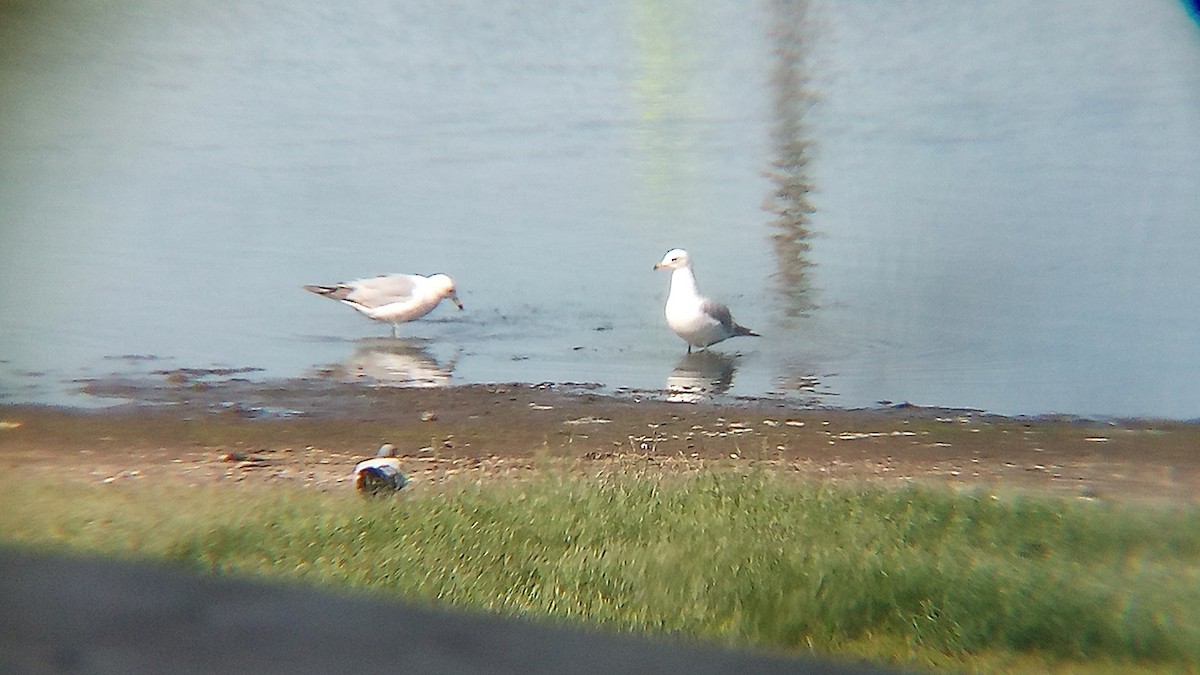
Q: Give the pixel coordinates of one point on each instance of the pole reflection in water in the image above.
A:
(398, 362)
(701, 375)
(788, 201)
(789, 198)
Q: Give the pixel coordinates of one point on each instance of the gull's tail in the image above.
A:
(742, 330)
(334, 292)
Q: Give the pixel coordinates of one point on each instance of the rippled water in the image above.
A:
(959, 204)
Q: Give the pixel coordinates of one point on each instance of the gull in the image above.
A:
(381, 474)
(393, 298)
(699, 321)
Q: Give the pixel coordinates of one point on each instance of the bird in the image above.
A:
(392, 298)
(701, 322)
(381, 474)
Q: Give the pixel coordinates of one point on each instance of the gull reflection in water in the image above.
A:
(399, 362)
(701, 375)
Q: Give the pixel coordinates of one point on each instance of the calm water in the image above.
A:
(988, 205)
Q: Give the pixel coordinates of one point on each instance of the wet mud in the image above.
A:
(203, 428)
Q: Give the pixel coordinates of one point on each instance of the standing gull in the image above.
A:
(699, 321)
(393, 298)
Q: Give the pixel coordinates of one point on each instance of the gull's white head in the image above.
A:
(675, 259)
(446, 289)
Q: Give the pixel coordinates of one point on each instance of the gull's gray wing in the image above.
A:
(719, 312)
(380, 291)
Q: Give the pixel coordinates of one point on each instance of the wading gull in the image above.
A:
(699, 321)
(392, 298)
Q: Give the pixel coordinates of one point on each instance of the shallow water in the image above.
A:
(952, 205)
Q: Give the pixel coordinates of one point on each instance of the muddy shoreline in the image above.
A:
(194, 432)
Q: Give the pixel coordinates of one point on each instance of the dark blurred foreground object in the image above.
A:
(380, 475)
(74, 615)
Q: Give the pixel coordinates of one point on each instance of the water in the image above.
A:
(942, 203)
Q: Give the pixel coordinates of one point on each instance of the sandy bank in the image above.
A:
(249, 434)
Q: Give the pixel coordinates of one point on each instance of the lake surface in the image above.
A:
(990, 205)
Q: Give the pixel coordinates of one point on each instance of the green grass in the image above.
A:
(916, 577)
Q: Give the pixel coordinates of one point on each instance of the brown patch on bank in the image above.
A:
(313, 439)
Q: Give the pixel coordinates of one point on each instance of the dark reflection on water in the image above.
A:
(790, 33)
(789, 200)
